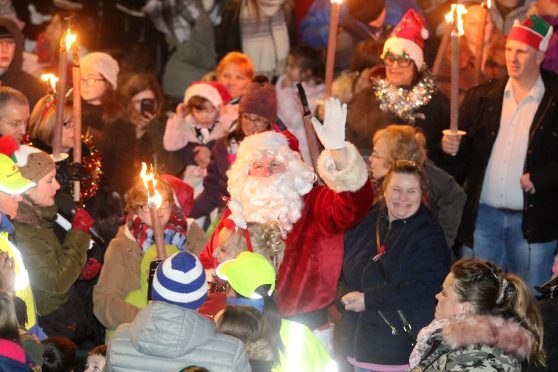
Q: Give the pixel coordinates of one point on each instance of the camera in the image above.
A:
(147, 105)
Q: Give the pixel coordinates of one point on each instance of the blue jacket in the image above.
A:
(405, 278)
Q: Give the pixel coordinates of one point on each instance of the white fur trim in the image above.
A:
(352, 178)
(22, 154)
(398, 45)
(265, 141)
(205, 91)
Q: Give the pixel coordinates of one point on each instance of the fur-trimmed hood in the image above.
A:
(506, 335)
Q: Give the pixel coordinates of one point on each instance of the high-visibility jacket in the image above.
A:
(22, 286)
(303, 351)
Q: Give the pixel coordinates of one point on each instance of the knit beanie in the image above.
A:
(533, 31)
(33, 163)
(408, 38)
(259, 99)
(180, 280)
(215, 93)
(104, 63)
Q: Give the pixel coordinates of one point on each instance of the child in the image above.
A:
(134, 243)
(96, 359)
(304, 65)
(59, 354)
(199, 122)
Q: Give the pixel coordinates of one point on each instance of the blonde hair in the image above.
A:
(265, 238)
(241, 60)
(43, 118)
(403, 142)
(137, 195)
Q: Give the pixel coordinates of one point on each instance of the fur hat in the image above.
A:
(104, 63)
(180, 280)
(408, 37)
(260, 99)
(533, 31)
(33, 163)
(215, 93)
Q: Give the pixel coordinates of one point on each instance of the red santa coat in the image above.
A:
(307, 279)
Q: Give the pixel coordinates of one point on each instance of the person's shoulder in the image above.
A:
(488, 88)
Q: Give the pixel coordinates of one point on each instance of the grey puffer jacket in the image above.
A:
(166, 337)
(477, 343)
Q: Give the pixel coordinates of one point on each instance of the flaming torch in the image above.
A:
(486, 4)
(65, 45)
(331, 45)
(154, 201)
(51, 81)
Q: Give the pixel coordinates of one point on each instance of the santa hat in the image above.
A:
(215, 93)
(533, 31)
(104, 63)
(408, 38)
(183, 193)
(180, 280)
(259, 99)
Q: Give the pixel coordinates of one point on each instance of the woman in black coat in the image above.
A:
(396, 260)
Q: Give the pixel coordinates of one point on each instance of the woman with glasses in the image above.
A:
(99, 80)
(395, 261)
(41, 133)
(121, 272)
(407, 95)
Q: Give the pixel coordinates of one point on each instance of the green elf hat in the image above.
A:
(533, 31)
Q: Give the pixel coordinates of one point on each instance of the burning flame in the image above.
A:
(154, 199)
(70, 39)
(457, 10)
(489, 4)
(51, 79)
(337, 1)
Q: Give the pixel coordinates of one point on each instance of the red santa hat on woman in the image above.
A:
(408, 38)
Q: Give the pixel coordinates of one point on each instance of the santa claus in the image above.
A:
(274, 185)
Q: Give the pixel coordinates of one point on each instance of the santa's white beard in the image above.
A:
(273, 199)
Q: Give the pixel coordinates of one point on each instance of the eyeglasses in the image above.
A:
(91, 81)
(403, 60)
(164, 205)
(255, 119)
(17, 124)
(273, 166)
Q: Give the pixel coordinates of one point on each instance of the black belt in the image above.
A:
(510, 211)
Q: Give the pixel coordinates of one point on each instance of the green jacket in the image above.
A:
(53, 267)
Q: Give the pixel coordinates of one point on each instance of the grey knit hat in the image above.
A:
(33, 163)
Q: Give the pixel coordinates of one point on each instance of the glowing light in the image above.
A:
(154, 199)
(457, 10)
(337, 1)
(51, 79)
(70, 39)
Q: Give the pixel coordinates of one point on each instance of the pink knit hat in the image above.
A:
(260, 99)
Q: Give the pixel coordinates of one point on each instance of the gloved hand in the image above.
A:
(82, 221)
(332, 132)
(77, 172)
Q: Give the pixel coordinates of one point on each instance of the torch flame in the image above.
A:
(489, 4)
(154, 199)
(70, 39)
(337, 1)
(456, 13)
(52, 79)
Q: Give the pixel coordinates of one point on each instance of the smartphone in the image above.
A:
(147, 105)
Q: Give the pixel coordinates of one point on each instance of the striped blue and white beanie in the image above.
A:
(180, 280)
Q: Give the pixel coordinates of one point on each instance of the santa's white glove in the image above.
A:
(332, 132)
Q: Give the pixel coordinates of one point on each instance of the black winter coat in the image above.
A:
(480, 117)
(405, 278)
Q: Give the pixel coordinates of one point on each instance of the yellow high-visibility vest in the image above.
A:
(22, 285)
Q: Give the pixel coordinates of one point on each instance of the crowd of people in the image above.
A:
(294, 231)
